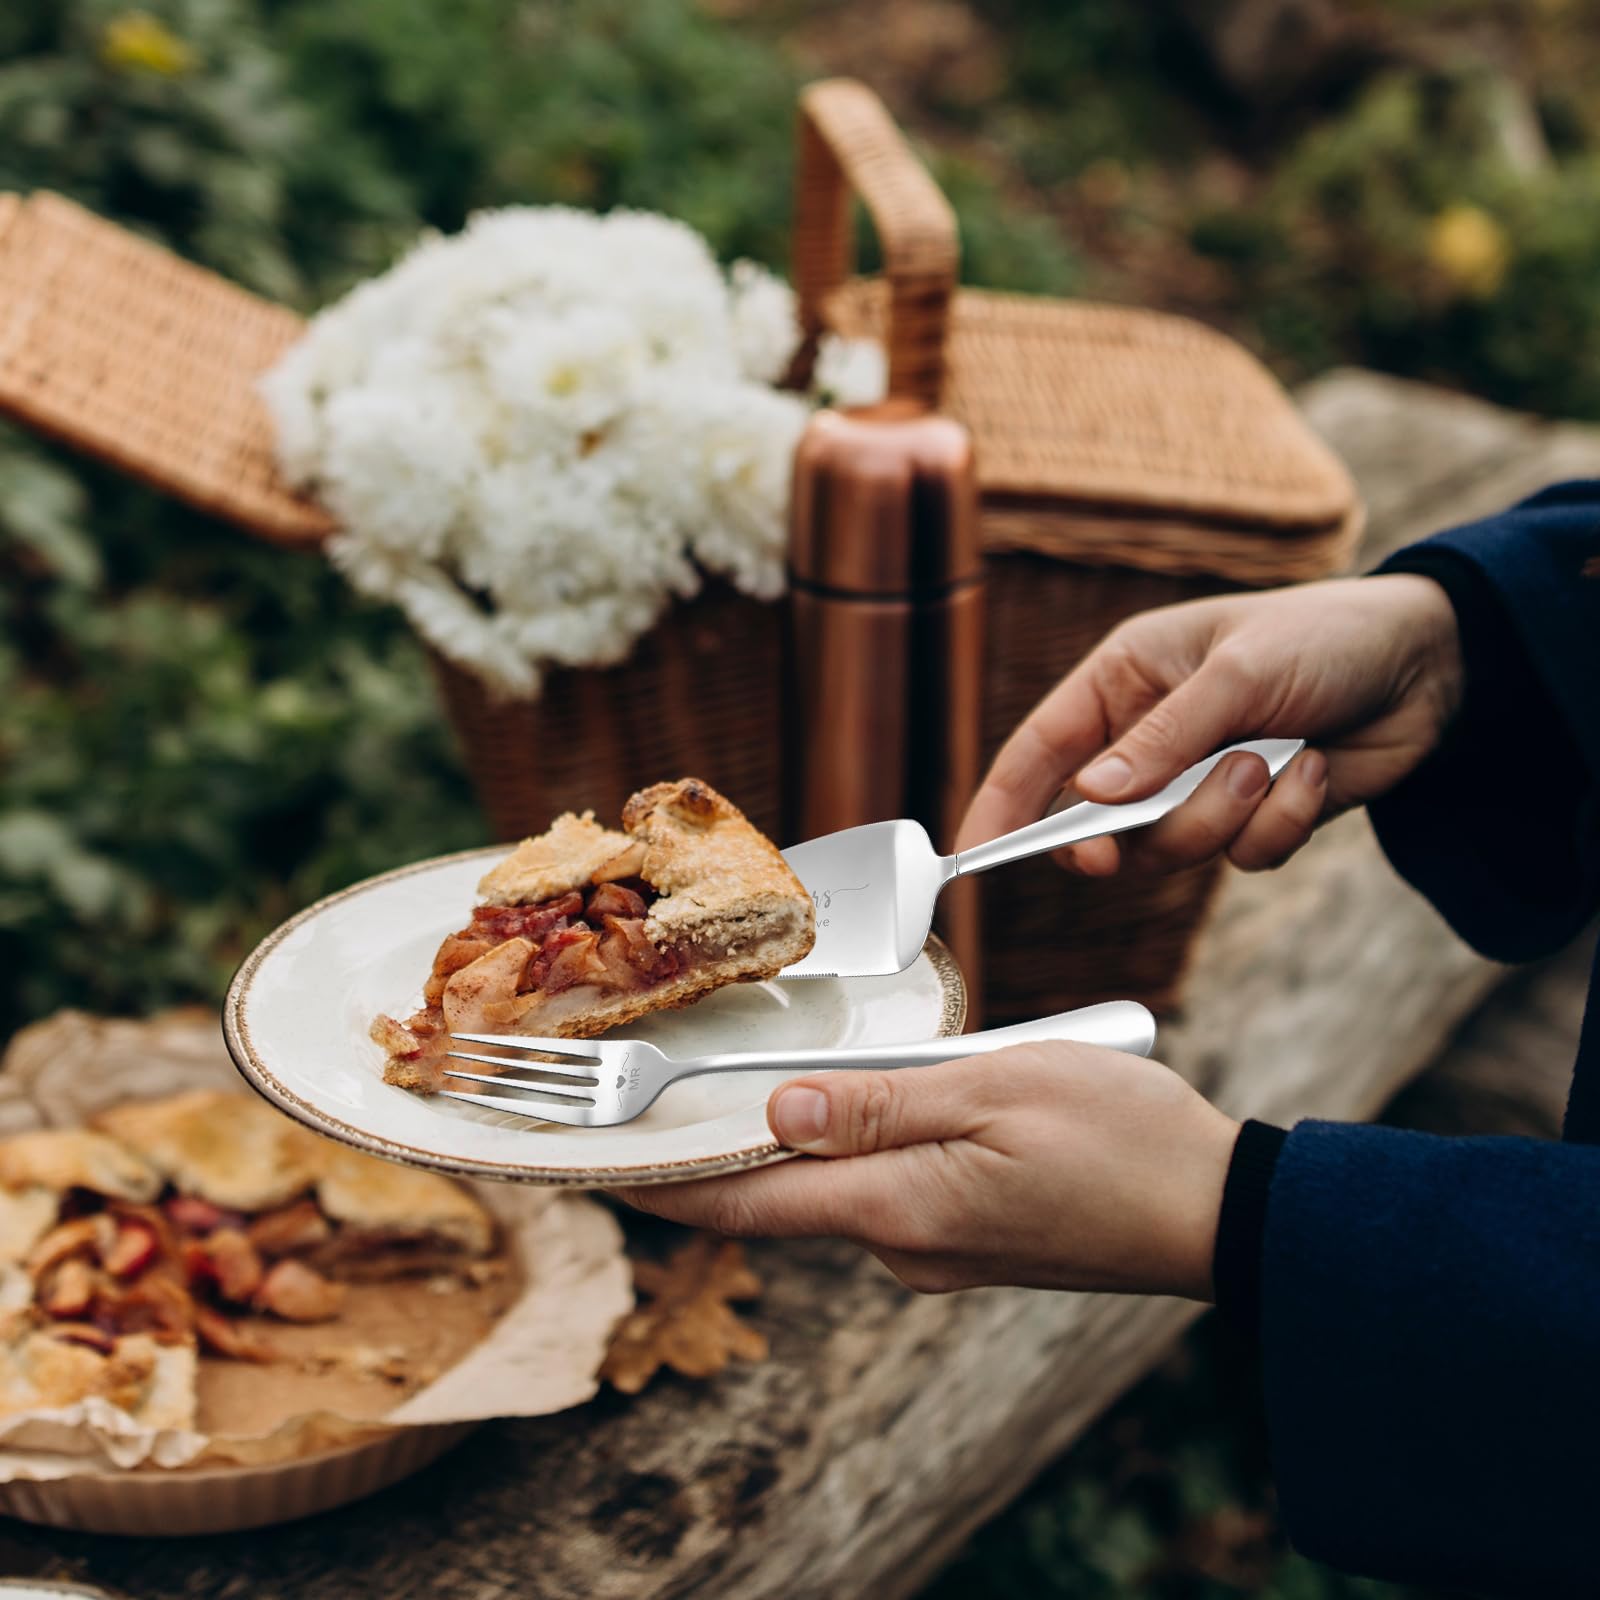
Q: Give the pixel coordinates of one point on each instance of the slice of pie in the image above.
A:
(584, 928)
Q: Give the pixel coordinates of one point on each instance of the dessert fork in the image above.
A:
(595, 1083)
(874, 887)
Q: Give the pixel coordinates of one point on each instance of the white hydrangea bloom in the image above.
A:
(398, 465)
(766, 325)
(290, 392)
(563, 378)
(537, 432)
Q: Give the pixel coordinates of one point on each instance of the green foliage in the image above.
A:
(212, 150)
(1355, 230)
(1001, 247)
(596, 103)
(1409, 235)
(586, 102)
(199, 735)
(1094, 81)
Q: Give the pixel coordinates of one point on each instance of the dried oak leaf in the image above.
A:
(689, 1324)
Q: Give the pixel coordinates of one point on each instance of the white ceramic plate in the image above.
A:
(297, 1015)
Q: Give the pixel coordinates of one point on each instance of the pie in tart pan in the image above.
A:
(227, 1499)
(211, 1319)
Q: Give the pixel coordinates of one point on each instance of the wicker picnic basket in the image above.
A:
(1126, 460)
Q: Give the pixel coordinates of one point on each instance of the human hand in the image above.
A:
(1055, 1166)
(1368, 669)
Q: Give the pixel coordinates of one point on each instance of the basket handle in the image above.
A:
(849, 144)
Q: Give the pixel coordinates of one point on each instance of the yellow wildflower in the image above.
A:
(139, 42)
(1469, 249)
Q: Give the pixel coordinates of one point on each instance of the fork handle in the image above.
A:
(1087, 820)
(1115, 1024)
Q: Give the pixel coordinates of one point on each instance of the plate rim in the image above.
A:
(236, 1035)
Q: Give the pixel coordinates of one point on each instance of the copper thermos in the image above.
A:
(884, 646)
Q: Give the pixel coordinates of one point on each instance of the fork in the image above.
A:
(601, 1082)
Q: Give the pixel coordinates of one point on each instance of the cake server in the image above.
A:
(874, 887)
(596, 1083)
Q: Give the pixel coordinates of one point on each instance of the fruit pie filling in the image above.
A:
(593, 937)
(178, 1269)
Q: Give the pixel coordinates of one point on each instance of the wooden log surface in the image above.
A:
(887, 1426)
(1509, 1068)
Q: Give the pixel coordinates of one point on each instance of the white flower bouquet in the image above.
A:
(537, 432)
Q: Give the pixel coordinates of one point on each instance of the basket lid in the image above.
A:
(124, 350)
(1124, 416)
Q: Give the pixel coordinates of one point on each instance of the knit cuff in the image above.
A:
(1500, 686)
(1242, 1227)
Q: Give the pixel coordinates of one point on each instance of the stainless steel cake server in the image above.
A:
(874, 887)
(596, 1083)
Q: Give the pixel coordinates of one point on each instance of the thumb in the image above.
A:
(857, 1113)
(1198, 717)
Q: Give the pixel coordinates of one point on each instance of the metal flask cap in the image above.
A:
(884, 503)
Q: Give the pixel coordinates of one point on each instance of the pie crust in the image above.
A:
(76, 1158)
(587, 928)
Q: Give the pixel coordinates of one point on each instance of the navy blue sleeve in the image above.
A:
(1431, 1356)
(1429, 1308)
(1500, 828)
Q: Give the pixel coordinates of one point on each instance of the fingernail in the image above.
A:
(1313, 769)
(1246, 777)
(1110, 774)
(800, 1116)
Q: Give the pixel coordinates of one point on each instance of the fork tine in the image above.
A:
(573, 1113)
(573, 1090)
(577, 1049)
(557, 1069)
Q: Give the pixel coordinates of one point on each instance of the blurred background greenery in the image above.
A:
(199, 734)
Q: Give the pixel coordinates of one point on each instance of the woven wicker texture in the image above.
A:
(1127, 461)
(698, 696)
(849, 144)
(1112, 537)
(1052, 941)
(123, 350)
(1103, 434)
(1089, 448)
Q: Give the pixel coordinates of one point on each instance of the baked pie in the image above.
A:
(586, 928)
(203, 1223)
